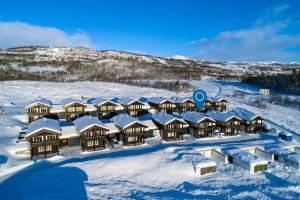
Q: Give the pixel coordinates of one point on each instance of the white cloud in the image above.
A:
(255, 44)
(14, 34)
(265, 41)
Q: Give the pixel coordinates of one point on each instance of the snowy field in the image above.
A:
(155, 170)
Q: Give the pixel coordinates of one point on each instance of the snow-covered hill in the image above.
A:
(89, 64)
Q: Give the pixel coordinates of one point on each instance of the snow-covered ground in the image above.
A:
(154, 171)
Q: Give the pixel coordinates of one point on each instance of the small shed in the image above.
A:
(284, 155)
(285, 136)
(203, 165)
(246, 160)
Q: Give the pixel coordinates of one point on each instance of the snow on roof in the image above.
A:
(42, 101)
(43, 124)
(123, 120)
(220, 116)
(90, 107)
(150, 124)
(201, 161)
(181, 99)
(112, 128)
(57, 108)
(69, 101)
(244, 114)
(100, 101)
(68, 132)
(85, 122)
(243, 155)
(194, 117)
(158, 100)
(283, 152)
(216, 99)
(126, 101)
(164, 118)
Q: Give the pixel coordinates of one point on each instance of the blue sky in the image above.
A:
(252, 30)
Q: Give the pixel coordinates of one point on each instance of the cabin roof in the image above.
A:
(243, 155)
(43, 124)
(126, 101)
(164, 118)
(123, 120)
(159, 100)
(85, 122)
(217, 99)
(244, 114)
(181, 99)
(220, 116)
(100, 101)
(70, 101)
(150, 124)
(42, 101)
(283, 152)
(68, 131)
(194, 117)
(112, 128)
(57, 108)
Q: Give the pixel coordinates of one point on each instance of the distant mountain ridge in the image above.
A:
(90, 64)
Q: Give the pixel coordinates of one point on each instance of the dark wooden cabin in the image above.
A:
(73, 109)
(251, 122)
(132, 130)
(226, 123)
(162, 104)
(92, 133)
(200, 125)
(220, 104)
(171, 127)
(132, 107)
(43, 137)
(105, 108)
(37, 109)
(184, 104)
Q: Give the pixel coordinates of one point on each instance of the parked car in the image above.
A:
(114, 142)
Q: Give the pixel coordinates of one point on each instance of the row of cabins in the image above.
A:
(46, 135)
(70, 109)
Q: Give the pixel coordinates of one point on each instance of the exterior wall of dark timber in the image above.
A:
(84, 139)
(69, 114)
(234, 128)
(140, 135)
(110, 112)
(39, 114)
(165, 130)
(181, 107)
(207, 129)
(220, 108)
(253, 126)
(135, 111)
(35, 145)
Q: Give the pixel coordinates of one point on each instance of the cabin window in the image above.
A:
(135, 107)
(90, 143)
(259, 121)
(200, 125)
(37, 139)
(171, 134)
(41, 149)
(71, 109)
(110, 107)
(103, 108)
(90, 134)
(132, 138)
(236, 122)
(99, 132)
(34, 110)
(43, 110)
(49, 148)
(50, 137)
(96, 142)
(79, 109)
(228, 130)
